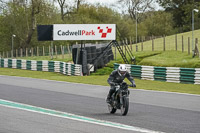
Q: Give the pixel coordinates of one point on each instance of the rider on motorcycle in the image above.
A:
(117, 77)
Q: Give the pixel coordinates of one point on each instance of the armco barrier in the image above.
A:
(48, 66)
(168, 74)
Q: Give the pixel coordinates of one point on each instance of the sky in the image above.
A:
(101, 1)
(110, 2)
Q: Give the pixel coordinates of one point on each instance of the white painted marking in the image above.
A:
(66, 115)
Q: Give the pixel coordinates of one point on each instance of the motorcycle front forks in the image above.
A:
(121, 98)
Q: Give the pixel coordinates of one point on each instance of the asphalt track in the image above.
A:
(151, 110)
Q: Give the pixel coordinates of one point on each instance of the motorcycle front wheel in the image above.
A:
(125, 106)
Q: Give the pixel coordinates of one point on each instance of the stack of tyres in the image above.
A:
(72, 69)
(105, 59)
(62, 67)
(14, 63)
(39, 65)
(98, 51)
(98, 55)
(111, 56)
(51, 66)
(105, 56)
(28, 65)
(93, 56)
(9, 63)
(23, 65)
(187, 75)
(102, 64)
(83, 54)
(19, 64)
(93, 53)
(5, 62)
(33, 65)
(74, 56)
(2, 62)
(89, 55)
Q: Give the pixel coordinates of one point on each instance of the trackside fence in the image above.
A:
(167, 74)
(47, 66)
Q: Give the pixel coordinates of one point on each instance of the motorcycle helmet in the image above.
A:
(122, 69)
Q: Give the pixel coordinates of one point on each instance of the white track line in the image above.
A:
(66, 115)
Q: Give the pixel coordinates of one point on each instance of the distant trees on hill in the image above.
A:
(20, 17)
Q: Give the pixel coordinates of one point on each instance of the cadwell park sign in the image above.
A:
(84, 32)
(88, 56)
(77, 32)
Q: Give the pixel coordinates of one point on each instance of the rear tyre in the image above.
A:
(125, 106)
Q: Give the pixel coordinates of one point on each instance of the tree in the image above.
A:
(158, 23)
(35, 9)
(181, 11)
(21, 17)
(66, 8)
(90, 14)
(137, 7)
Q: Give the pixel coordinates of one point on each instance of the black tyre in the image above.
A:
(125, 106)
(111, 109)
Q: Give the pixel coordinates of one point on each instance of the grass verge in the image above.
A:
(102, 80)
(170, 42)
(171, 59)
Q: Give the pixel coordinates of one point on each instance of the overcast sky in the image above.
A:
(102, 1)
(111, 2)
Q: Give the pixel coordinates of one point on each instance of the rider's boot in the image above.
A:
(108, 99)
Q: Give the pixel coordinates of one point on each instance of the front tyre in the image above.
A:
(125, 106)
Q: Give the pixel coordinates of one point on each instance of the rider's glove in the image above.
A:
(133, 85)
(112, 83)
(115, 84)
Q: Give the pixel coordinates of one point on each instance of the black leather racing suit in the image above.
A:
(116, 78)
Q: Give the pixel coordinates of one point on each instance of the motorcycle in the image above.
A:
(120, 99)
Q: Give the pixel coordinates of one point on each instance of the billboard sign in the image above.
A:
(84, 32)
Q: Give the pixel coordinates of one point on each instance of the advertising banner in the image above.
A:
(84, 32)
